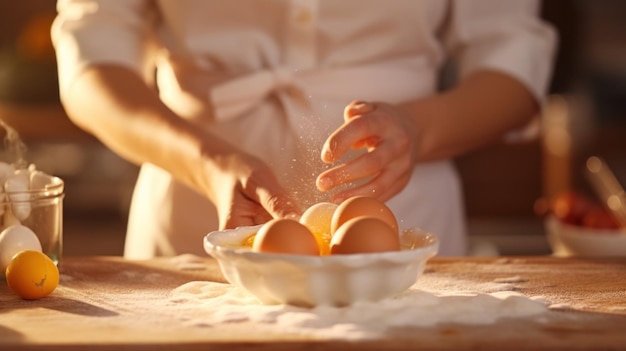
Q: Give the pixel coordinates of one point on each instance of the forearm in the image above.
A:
(118, 108)
(475, 113)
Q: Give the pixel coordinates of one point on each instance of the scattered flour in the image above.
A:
(436, 299)
(515, 279)
(432, 301)
(188, 262)
(561, 306)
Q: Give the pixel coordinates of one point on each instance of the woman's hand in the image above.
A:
(116, 105)
(389, 137)
(246, 192)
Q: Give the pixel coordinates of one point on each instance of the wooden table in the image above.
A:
(95, 308)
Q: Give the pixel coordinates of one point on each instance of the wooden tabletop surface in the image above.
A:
(110, 303)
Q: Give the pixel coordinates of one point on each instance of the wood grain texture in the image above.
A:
(93, 309)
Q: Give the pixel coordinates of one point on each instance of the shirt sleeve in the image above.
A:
(507, 36)
(89, 32)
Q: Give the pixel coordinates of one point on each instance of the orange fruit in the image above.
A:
(32, 275)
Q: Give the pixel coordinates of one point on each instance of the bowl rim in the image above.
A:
(429, 249)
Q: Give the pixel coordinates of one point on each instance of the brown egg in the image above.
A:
(362, 206)
(364, 235)
(286, 236)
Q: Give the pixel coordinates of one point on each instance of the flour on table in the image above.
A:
(188, 262)
(514, 279)
(431, 301)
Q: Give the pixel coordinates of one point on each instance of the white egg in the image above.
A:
(14, 239)
(17, 188)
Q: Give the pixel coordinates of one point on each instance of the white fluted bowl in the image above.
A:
(336, 280)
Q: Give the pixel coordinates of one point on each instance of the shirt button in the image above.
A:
(304, 17)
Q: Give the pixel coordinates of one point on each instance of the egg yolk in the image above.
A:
(247, 242)
(323, 241)
(32, 275)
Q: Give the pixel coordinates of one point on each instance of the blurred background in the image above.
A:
(506, 185)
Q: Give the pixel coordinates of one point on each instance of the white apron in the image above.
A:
(273, 77)
(283, 117)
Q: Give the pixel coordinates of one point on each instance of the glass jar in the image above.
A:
(40, 208)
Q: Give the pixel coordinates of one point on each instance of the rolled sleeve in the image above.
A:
(506, 36)
(89, 32)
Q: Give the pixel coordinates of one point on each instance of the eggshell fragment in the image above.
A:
(357, 206)
(364, 235)
(285, 236)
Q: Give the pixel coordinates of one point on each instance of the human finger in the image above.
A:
(357, 107)
(384, 155)
(382, 187)
(360, 131)
(277, 202)
(242, 212)
(363, 166)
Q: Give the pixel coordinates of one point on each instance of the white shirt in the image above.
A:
(273, 78)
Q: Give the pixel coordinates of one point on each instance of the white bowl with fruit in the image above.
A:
(579, 226)
(318, 260)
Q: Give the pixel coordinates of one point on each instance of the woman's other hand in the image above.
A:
(387, 134)
(246, 192)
